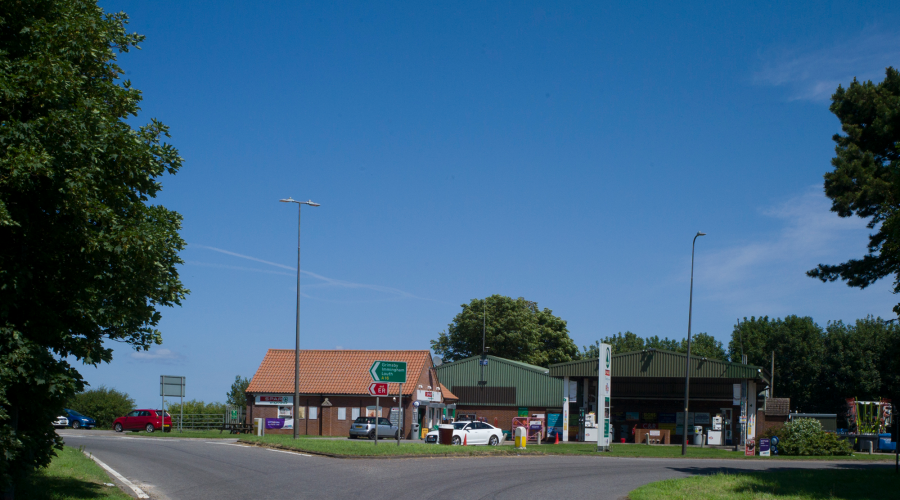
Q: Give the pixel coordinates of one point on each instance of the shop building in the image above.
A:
(498, 389)
(647, 392)
(334, 390)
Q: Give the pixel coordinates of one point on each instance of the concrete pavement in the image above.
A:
(173, 469)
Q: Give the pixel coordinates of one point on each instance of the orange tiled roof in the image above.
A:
(447, 395)
(332, 371)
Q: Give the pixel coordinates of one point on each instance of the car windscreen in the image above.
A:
(460, 425)
(74, 413)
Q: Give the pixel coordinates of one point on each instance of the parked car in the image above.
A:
(61, 422)
(148, 420)
(77, 420)
(365, 427)
(471, 433)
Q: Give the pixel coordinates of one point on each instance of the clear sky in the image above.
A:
(562, 152)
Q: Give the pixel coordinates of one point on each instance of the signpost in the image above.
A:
(605, 372)
(171, 385)
(378, 389)
(388, 371)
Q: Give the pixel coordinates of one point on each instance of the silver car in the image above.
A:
(365, 427)
(61, 422)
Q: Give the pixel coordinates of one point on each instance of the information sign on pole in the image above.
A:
(388, 371)
(172, 386)
(605, 371)
(378, 389)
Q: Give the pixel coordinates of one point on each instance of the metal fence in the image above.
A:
(198, 421)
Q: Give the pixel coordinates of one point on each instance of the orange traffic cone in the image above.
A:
(557, 438)
(465, 441)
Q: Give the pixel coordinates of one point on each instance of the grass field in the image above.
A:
(70, 476)
(366, 448)
(777, 485)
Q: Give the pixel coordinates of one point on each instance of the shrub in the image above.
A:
(805, 437)
(102, 404)
(196, 407)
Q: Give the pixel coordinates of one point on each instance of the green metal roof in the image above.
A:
(509, 383)
(659, 363)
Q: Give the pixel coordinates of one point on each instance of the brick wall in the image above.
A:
(327, 422)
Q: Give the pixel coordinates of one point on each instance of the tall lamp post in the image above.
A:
(297, 344)
(687, 363)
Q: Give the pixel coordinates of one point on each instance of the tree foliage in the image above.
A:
(866, 178)
(196, 407)
(702, 344)
(515, 329)
(85, 256)
(102, 404)
(237, 395)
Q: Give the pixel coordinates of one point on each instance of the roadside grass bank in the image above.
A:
(365, 448)
(777, 485)
(70, 476)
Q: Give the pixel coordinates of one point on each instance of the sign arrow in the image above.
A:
(374, 370)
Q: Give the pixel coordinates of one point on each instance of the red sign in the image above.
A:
(607, 373)
(429, 394)
(272, 399)
(378, 389)
(750, 448)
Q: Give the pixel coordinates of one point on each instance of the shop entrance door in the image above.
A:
(727, 426)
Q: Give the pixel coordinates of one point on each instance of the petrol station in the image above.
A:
(647, 398)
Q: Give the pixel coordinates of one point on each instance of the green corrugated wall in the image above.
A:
(658, 363)
(534, 386)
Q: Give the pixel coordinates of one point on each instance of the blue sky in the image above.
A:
(562, 152)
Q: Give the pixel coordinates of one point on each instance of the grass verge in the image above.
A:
(776, 485)
(70, 476)
(366, 448)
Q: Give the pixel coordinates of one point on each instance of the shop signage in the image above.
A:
(378, 389)
(701, 418)
(632, 416)
(279, 423)
(750, 448)
(667, 418)
(388, 371)
(428, 395)
(523, 412)
(565, 419)
(764, 450)
(604, 389)
(274, 400)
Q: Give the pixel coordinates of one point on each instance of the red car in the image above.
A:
(148, 420)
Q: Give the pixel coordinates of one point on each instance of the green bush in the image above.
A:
(195, 407)
(805, 437)
(102, 404)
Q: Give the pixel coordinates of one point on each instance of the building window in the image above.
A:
(342, 414)
(285, 411)
(313, 412)
(354, 413)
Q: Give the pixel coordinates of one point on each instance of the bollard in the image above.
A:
(259, 426)
(869, 447)
(647, 438)
(521, 437)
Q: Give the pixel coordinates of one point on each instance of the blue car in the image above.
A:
(77, 420)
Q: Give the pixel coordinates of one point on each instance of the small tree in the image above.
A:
(102, 404)
(805, 436)
(237, 394)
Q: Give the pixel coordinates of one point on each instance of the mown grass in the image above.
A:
(366, 448)
(777, 485)
(70, 476)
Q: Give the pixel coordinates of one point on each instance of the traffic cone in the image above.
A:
(465, 441)
(557, 438)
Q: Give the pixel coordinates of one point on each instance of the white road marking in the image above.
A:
(226, 444)
(290, 452)
(139, 492)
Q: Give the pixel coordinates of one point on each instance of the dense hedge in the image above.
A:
(805, 437)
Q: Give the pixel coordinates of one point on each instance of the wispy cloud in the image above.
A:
(813, 73)
(325, 282)
(161, 355)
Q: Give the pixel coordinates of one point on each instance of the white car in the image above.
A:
(471, 433)
(61, 421)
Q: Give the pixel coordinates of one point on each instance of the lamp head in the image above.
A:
(288, 200)
(701, 233)
(311, 203)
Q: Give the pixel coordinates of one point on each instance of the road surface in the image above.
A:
(176, 469)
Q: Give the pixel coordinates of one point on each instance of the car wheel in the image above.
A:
(76, 425)
(149, 428)
(494, 441)
(457, 441)
(397, 435)
(118, 427)
(372, 434)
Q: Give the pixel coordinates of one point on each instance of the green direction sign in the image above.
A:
(388, 371)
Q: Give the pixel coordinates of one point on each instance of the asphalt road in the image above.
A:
(175, 469)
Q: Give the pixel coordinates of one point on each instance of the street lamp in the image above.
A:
(297, 344)
(687, 363)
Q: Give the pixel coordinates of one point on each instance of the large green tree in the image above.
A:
(799, 346)
(86, 258)
(237, 394)
(702, 344)
(515, 329)
(866, 178)
(103, 404)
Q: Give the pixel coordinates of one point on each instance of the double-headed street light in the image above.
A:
(687, 363)
(297, 345)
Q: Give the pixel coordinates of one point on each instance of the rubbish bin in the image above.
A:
(415, 430)
(698, 435)
(445, 433)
